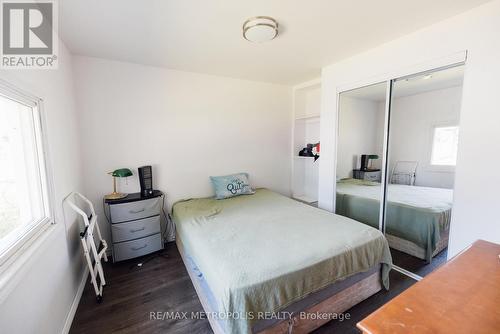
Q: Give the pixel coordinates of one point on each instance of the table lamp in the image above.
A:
(122, 172)
(372, 157)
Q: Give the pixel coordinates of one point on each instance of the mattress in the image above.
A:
(418, 214)
(263, 252)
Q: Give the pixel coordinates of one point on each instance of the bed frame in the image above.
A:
(413, 249)
(337, 303)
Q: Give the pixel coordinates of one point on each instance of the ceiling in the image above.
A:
(417, 84)
(206, 36)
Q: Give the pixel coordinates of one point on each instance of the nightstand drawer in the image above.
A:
(135, 210)
(368, 175)
(134, 248)
(372, 176)
(135, 229)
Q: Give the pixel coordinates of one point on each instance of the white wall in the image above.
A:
(39, 296)
(307, 100)
(476, 194)
(413, 119)
(359, 129)
(188, 126)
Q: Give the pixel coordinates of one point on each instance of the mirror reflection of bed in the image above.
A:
(421, 132)
(414, 213)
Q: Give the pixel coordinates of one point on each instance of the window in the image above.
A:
(444, 146)
(24, 205)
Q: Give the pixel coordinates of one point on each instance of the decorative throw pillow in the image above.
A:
(231, 185)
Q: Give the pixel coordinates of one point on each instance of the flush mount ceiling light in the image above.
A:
(260, 29)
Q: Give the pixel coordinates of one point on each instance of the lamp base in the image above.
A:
(115, 195)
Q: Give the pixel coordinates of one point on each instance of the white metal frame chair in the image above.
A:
(93, 254)
(404, 172)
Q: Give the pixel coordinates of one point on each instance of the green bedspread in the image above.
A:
(417, 214)
(262, 252)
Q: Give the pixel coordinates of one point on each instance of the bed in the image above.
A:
(260, 263)
(417, 218)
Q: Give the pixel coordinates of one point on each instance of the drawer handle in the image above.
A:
(137, 248)
(138, 230)
(137, 211)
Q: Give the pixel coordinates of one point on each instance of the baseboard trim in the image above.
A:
(76, 301)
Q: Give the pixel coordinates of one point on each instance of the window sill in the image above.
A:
(11, 271)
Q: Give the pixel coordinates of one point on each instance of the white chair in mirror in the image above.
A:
(404, 172)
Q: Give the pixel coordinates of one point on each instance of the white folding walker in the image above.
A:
(90, 251)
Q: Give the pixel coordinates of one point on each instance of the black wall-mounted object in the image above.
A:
(146, 180)
(308, 151)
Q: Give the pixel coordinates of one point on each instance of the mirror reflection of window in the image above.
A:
(445, 146)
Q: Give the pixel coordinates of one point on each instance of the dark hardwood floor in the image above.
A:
(416, 265)
(162, 284)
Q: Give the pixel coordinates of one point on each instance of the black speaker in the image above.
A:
(364, 162)
(146, 180)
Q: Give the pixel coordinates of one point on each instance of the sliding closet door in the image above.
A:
(422, 153)
(360, 147)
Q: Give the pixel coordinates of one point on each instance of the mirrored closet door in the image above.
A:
(422, 155)
(360, 153)
(396, 158)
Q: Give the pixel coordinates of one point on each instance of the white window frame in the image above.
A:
(37, 228)
(440, 168)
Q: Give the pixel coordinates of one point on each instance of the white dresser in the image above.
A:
(135, 225)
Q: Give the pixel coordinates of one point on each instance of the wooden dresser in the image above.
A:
(462, 296)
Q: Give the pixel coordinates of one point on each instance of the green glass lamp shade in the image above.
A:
(372, 157)
(122, 172)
